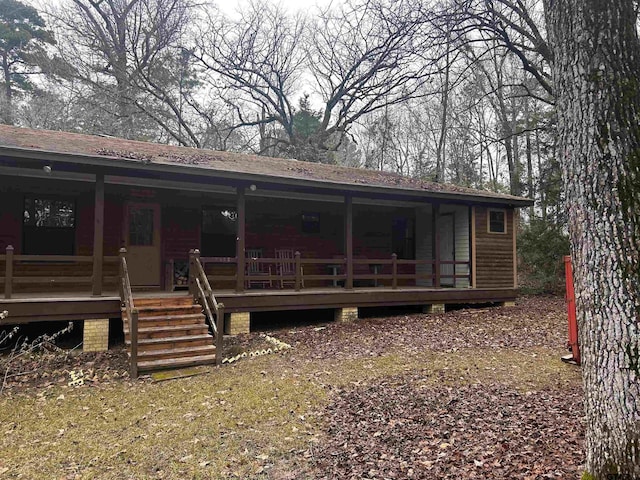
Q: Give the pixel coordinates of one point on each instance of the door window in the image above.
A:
(141, 226)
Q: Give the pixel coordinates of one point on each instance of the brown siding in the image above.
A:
(113, 224)
(84, 224)
(113, 211)
(180, 232)
(494, 253)
(277, 224)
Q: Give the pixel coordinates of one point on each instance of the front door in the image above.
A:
(142, 225)
(447, 248)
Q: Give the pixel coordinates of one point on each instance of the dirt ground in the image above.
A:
(471, 393)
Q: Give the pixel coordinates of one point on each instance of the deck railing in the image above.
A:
(126, 301)
(44, 272)
(365, 272)
(200, 289)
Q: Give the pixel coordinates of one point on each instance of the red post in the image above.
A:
(572, 343)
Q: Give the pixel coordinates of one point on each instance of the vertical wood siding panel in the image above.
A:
(494, 257)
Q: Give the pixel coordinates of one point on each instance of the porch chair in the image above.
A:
(287, 267)
(254, 270)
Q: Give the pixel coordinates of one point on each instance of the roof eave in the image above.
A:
(105, 162)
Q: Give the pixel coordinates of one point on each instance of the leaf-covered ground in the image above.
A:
(472, 393)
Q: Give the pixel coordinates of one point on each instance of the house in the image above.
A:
(271, 234)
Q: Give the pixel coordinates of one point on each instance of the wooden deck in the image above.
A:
(32, 307)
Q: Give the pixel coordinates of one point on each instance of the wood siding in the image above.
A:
(494, 252)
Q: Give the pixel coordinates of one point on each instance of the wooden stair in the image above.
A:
(172, 333)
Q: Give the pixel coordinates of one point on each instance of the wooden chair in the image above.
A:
(254, 270)
(286, 265)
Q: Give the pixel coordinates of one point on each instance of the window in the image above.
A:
(497, 221)
(219, 231)
(48, 226)
(310, 222)
(46, 212)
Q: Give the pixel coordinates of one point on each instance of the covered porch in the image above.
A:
(64, 236)
(258, 242)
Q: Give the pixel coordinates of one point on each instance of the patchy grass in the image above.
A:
(231, 422)
(267, 417)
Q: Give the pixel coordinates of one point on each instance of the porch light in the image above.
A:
(47, 169)
(253, 187)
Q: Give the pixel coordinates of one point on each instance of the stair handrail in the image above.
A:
(126, 301)
(203, 292)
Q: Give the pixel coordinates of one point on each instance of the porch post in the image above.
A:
(240, 239)
(192, 273)
(436, 243)
(348, 237)
(472, 247)
(8, 276)
(98, 234)
(394, 271)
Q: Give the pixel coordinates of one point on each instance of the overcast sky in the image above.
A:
(230, 6)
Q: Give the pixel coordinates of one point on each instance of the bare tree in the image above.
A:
(366, 57)
(358, 59)
(259, 58)
(117, 46)
(513, 25)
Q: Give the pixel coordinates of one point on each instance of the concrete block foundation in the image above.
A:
(433, 308)
(347, 314)
(237, 322)
(95, 335)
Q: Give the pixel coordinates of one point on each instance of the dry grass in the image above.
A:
(260, 418)
(230, 422)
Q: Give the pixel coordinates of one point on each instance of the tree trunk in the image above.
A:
(530, 192)
(441, 147)
(7, 114)
(596, 75)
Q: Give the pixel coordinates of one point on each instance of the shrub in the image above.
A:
(541, 246)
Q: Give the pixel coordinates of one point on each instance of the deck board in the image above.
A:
(31, 307)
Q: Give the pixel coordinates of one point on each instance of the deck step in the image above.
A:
(160, 320)
(160, 301)
(145, 344)
(148, 366)
(166, 310)
(171, 331)
(176, 353)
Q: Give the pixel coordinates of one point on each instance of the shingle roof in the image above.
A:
(115, 148)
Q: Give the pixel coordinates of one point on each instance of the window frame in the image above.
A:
(505, 222)
(28, 229)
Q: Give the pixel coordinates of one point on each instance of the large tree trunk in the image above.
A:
(596, 74)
